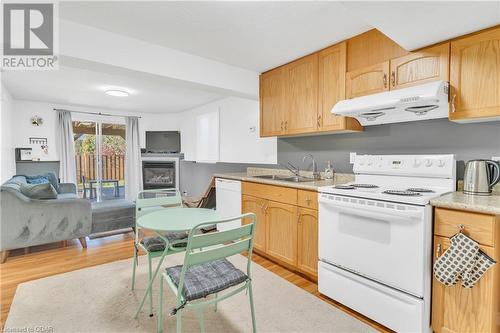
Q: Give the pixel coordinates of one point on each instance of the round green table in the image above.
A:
(176, 219)
(172, 220)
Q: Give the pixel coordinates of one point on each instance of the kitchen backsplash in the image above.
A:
(466, 141)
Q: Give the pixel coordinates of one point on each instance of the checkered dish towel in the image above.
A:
(462, 261)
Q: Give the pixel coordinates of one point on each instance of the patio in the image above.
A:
(108, 193)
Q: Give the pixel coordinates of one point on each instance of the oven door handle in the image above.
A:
(371, 212)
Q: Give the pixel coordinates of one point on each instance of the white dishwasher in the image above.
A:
(228, 201)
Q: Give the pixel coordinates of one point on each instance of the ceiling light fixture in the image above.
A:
(117, 93)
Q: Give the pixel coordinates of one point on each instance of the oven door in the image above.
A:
(383, 241)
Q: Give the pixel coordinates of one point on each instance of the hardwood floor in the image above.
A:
(52, 259)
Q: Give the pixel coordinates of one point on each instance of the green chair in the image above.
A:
(206, 270)
(149, 201)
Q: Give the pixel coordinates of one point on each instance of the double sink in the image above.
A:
(292, 179)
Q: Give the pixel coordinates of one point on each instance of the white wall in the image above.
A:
(7, 157)
(24, 110)
(239, 140)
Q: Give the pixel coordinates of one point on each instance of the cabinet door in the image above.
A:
(458, 309)
(475, 76)
(255, 205)
(207, 137)
(281, 222)
(430, 64)
(308, 241)
(332, 69)
(367, 80)
(302, 95)
(272, 102)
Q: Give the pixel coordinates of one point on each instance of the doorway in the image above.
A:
(100, 159)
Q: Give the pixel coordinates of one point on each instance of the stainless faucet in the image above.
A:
(316, 174)
(292, 168)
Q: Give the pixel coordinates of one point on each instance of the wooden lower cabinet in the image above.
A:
(281, 223)
(459, 309)
(257, 206)
(307, 260)
(456, 309)
(287, 231)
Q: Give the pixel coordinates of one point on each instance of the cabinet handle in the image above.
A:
(281, 125)
(453, 109)
(393, 78)
(438, 250)
(308, 200)
(385, 80)
(286, 125)
(319, 121)
(298, 217)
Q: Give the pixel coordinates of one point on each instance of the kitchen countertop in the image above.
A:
(474, 203)
(312, 185)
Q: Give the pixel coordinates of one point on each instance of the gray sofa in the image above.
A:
(28, 222)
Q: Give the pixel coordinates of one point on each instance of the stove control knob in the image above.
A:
(416, 163)
(428, 162)
(441, 163)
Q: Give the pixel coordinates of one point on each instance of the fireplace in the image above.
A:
(159, 174)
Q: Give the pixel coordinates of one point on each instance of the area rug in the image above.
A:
(99, 299)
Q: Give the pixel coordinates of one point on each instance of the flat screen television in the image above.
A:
(163, 141)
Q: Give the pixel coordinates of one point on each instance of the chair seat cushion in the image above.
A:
(208, 278)
(155, 243)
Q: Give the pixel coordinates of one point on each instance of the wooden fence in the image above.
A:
(113, 167)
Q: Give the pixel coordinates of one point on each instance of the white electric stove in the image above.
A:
(375, 237)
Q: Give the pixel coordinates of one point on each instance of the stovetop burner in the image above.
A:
(344, 187)
(364, 185)
(420, 190)
(402, 193)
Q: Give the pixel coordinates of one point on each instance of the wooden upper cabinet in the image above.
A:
(371, 48)
(307, 260)
(272, 102)
(281, 220)
(475, 77)
(302, 95)
(430, 64)
(257, 206)
(367, 80)
(332, 70)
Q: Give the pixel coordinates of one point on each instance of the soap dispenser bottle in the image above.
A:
(329, 170)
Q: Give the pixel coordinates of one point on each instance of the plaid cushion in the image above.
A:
(155, 243)
(209, 228)
(208, 278)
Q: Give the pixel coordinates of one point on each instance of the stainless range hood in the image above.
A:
(426, 101)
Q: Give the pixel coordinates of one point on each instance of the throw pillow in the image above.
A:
(53, 180)
(42, 191)
(39, 179)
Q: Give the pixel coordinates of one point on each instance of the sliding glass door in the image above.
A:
(100, 159)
